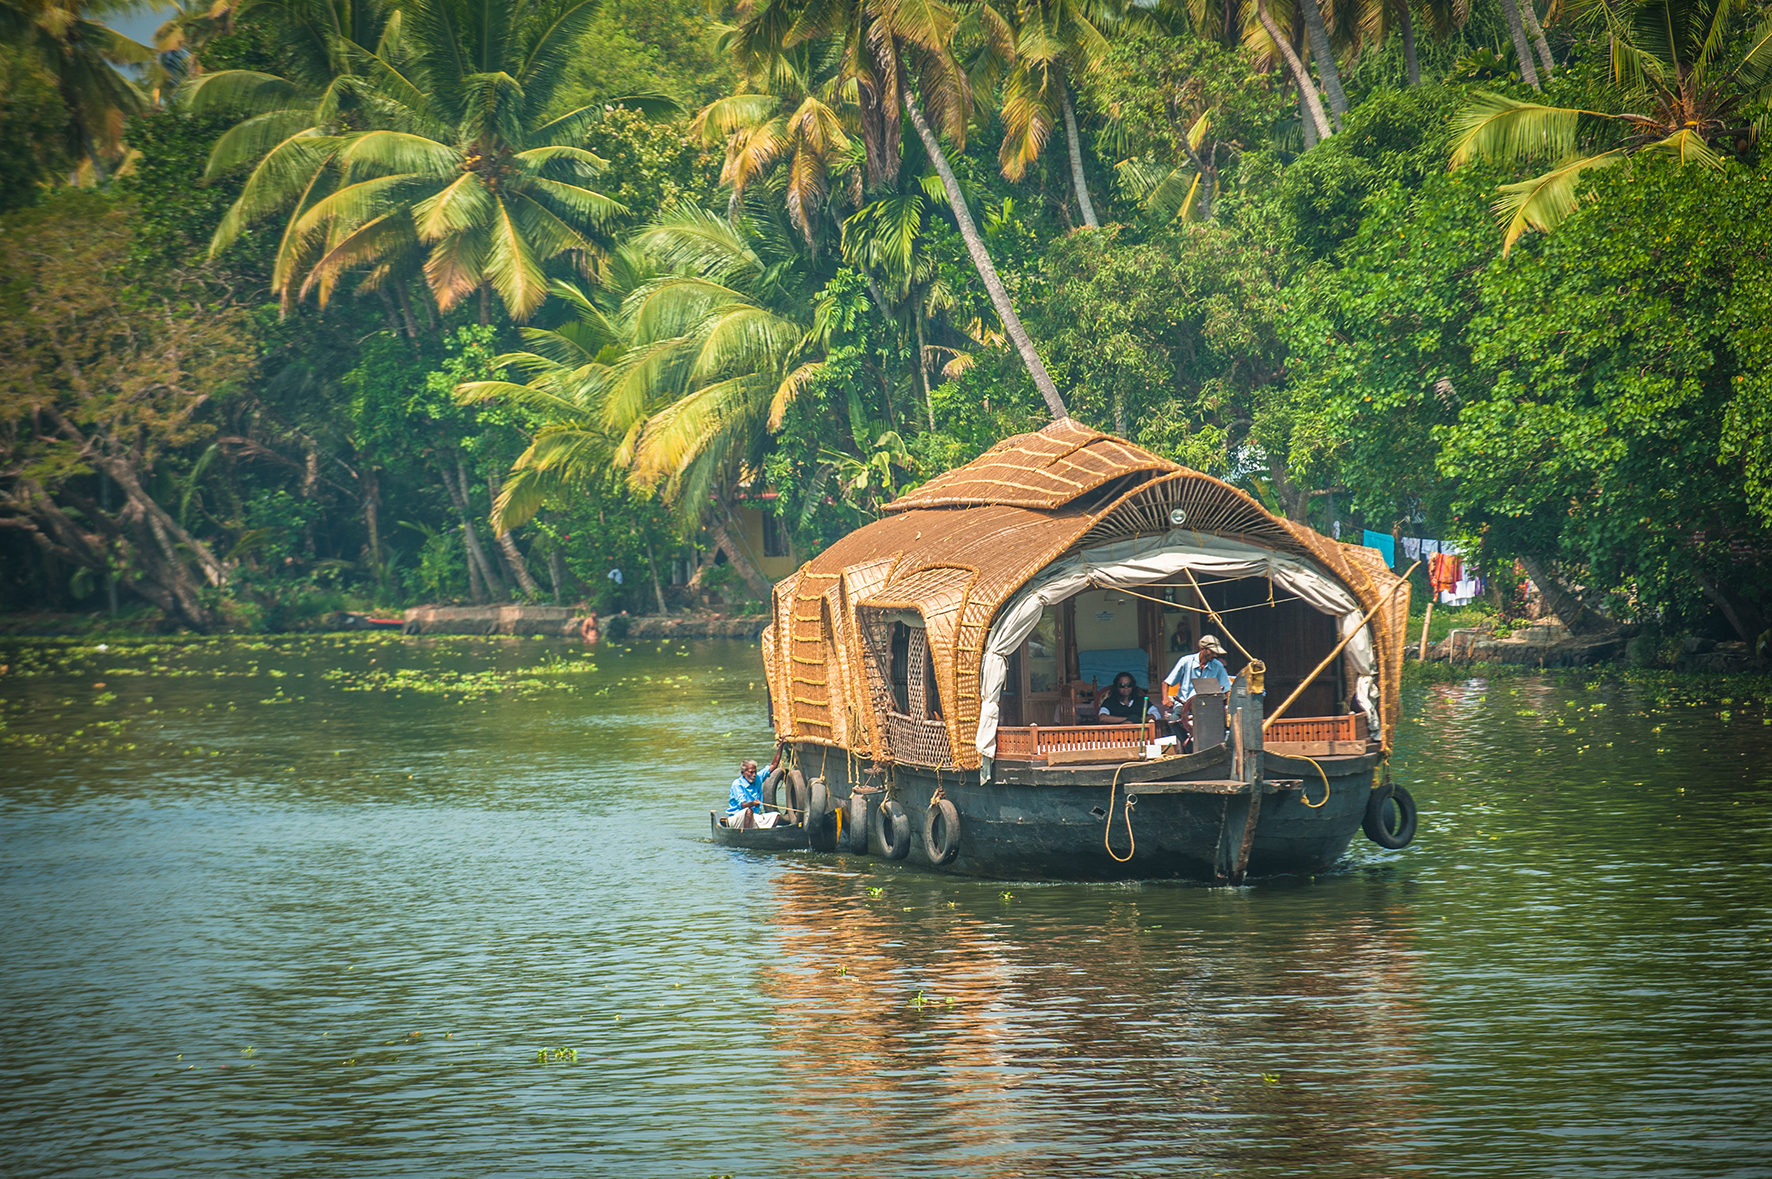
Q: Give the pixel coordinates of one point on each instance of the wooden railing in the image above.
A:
(1037, 742)
(1350, 727)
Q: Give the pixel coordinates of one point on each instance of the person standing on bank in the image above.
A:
(1206, 663)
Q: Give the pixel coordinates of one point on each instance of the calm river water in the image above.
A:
(312, 907)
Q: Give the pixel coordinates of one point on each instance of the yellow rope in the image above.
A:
(1107, 833)
(1306, 798)
(1120, 589)
(1217, 617)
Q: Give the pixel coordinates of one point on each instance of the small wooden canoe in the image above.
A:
(756, 838)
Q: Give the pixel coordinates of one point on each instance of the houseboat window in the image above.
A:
(901, 668)
(775, 540)
(1043, 653)
(931, 696)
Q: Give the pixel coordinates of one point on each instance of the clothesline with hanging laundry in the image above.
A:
(1455, 585)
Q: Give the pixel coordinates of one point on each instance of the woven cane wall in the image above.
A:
(975, 559)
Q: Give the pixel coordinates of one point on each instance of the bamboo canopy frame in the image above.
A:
(951, 553)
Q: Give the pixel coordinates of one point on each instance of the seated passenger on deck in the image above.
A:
(744, 805)
(1124, 702)
(1202, 664)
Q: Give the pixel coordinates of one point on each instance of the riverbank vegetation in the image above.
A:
(325, 304)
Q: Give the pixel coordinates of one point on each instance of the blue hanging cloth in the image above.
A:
(1384, 542)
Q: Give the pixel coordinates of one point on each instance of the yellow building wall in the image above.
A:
(750, 536)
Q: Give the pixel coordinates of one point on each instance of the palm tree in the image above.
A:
(458, 160)
(896, 57)
(1324, 56)
(1522, 48)
(1310, 103)
(1047, 44)
(70, 42)
(679, 386)
(1665, 59)
(796, 118)
(295, 124)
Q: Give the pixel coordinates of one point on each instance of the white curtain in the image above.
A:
(1129, 563)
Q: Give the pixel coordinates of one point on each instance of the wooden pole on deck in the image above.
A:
(1348, 638)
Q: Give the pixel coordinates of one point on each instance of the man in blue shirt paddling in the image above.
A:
(745, 800)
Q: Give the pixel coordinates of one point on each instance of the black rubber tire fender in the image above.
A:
(797, 794)
(894, 829)
(771, 783)
(855, 823)
(1377, 829)
(941, 832)
(822, 824)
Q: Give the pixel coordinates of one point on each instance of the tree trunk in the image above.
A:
(104, 500)
(1537, 37)
(1746, 620)
(735, 556)
(1522, 51)
(657, 585)
(507, 545)
(1569, 609)
(1307, 90)
(981, 261)
(393, 316)
(557, 575)
(476, 584)
(1325, 58)
(1294, 500)
(1408, 23)
(405, 301)
(372, 521)
(478, 565)
(1078, 181)
(1304, 117)
(923, 362)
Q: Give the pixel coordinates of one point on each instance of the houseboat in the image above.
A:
(934, 676)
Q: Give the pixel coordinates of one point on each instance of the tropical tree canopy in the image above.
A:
(435, 142)
(1689, 90)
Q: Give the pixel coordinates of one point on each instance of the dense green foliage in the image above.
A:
(765, 285)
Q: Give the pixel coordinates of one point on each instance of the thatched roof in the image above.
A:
(959, 547)
(1047, 470)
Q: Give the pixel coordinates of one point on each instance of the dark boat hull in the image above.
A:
(1186, 820)
(757, 838)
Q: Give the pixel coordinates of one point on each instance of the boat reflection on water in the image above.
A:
(1037, 1029)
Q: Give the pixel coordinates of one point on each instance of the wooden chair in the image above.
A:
(1077, 703)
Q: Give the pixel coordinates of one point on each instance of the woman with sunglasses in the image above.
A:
(1124, 702)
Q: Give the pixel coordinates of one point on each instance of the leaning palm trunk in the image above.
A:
(1307, 90)
(1077, 179)
(507, 545)
(982, 262)
(478, 566)
(1325, 58)
(1522, 51)
(1537, 37)
(1408, 23)
(735, 556)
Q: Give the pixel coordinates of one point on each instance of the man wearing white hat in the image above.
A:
(1202, 664)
